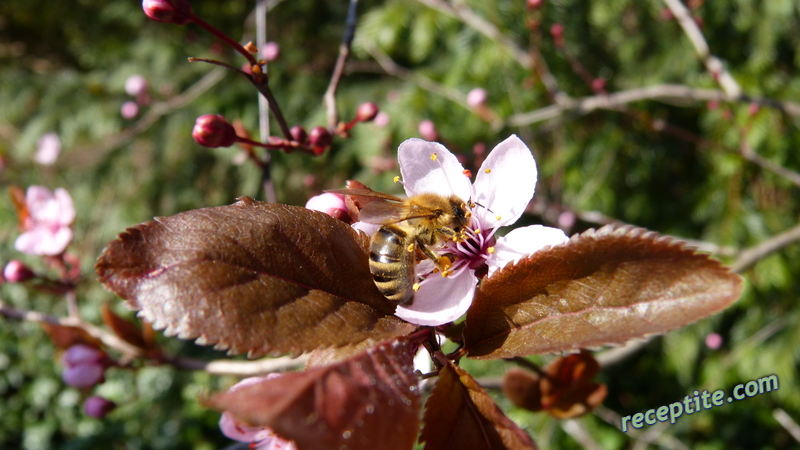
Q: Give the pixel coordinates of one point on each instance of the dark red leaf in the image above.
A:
(367, 402)
(460, 414)
(602, 287)
(253, 277)
(122, 328)
(65, 337)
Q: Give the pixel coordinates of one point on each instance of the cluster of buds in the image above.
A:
(84, 368)
(212, 130)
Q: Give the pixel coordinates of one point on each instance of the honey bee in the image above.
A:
(409, 228)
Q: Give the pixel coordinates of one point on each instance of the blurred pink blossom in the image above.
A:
(381, 120)
(427, 129)
(136, 85)
(476, 97)
(129, 110)
(47, 149)
(47, 229)
(271, 51)
(713, 341)
(260, 438)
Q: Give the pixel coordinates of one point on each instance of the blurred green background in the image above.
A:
(672, 165)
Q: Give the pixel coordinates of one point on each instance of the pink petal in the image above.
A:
(522, 242)
(43, 241)
(421, 174)
(505, 182)
(440, 300)
(66, 208)
(368, 228)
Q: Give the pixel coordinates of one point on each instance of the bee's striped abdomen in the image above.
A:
(391, 264)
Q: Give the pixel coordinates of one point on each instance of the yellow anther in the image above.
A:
(497, 217)
(415, 287)
(397, 179)
(476, 230)
(434, 156)
(410, 247)
(487, 171)
(445, 273)
(468, 214)
(490, 250)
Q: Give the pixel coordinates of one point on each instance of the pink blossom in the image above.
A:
(503, 187)
(98, 407)
(47, 230)
(476, 97)
(136, 85)
(129, 110)
(381, 120)
(261, 438)
(427, 129)
(331, 204)
(48, 148)
(271, 51)
(714, 341)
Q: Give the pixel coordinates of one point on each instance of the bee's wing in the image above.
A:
(366, 192)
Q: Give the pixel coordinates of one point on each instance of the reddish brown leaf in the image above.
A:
(253, 277)
(367, 402)
(523, 388)
(460, 414)
(65, 337)
(127, 331)
(602, 287)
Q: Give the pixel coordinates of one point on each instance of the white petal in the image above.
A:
(522, 242)
(369, 228)
(440, 300)
(421, 174)
(505, 183)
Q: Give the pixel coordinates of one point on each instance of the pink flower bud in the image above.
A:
(48, 148)
(476, 97)
(557, 31)
(129, 110)
(271, 51)
(299, 134)
(599, 85)
(178, 12)
(366, 112)
(331, 204)
(533, 4)
(381, 120)
(212, 130)
(427, 129)
(135, 85)
(84, 366)
(97, 407)
(713, 341)
(320, 139)
(17, 272)
(753, 108)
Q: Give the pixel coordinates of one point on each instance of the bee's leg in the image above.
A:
(442, 263)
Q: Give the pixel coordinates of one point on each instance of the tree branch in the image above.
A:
(344, 52)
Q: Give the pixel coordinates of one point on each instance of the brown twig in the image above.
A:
(112, 341)
(713, 64)
(344, 52)
(750, 256)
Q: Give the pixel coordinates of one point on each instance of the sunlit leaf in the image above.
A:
(460, 414)
(602, 287)
(251, 277)
(370, 401)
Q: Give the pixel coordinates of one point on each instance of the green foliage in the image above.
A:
(673, 166)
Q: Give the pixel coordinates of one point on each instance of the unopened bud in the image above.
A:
(320, 139)
(713, 341)
(366, 112)
(476, 97)
(271, 51)
(427, 130)
(97, 407)
(129, 110)
(17, 272)
(557, 31)
(212, 130)
(331, 204)
(599, 85)
(299, 134)
(753, 108)
(136, 85)
(533, 4)
(84, 366)
(178, 12)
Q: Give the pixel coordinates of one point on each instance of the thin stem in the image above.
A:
(263, 106)
(220, 35)
(338, 70)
